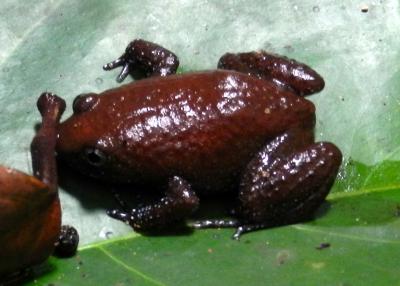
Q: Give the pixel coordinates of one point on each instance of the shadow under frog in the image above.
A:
(244, 130)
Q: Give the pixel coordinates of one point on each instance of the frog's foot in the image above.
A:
(121, 61)
(145, 56)
(285, 73)
(216, 223)
(67, 242)
(229, 223)
(219, 223)
(288, 187)
(177, 204)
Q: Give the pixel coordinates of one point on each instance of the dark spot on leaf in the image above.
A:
(397, 212)
(216, 236)
(323, 246)
(282, 257)
(316, 9)
(364, 9)
(289, 48)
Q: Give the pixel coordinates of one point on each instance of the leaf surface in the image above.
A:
(61, 45)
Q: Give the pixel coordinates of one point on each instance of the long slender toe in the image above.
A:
(114, 64)
(124, 73)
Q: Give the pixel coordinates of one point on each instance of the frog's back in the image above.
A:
(204, 126)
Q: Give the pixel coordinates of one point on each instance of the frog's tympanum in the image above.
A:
(244, 129)
(30, 214)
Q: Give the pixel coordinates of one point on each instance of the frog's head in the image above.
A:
(84, 141)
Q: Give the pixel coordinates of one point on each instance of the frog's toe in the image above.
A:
(242, 229)
(215, 223)
(119, 215)
(124, 73)
(121, 61)
(114, 64)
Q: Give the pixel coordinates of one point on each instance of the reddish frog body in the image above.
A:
(30, 212)
(244, 129)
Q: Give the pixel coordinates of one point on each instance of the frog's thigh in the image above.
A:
(288, 188)
(177, 204)
(284, 72)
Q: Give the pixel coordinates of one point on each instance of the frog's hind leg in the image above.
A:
(147, 57)
(286, 182)
(285, 73)
(177, 204)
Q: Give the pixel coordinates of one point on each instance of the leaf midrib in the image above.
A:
(361, 192)
(129, 268)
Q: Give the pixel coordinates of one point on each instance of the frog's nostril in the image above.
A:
(84, 102)
(94, 156)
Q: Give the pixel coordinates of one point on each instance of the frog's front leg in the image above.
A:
(285, 73)
(145, 56)
(178, 203)
(44, 165)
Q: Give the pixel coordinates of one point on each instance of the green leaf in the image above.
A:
(61, 45)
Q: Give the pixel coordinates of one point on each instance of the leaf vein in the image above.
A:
(339, 195)
(129, 268)
(345, 236)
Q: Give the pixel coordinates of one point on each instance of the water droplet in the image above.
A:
(99, 80)
(289, 48)
(316, 9)
(364, 8)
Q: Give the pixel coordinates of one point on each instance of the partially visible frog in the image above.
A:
(30, 212)
(244, 129)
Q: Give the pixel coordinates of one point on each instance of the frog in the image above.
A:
(244, 130)
(30, 208)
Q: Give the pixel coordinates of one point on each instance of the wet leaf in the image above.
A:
(61, 45)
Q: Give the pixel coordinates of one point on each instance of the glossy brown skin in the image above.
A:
(150, 58)
(244, 128)
(30, 221)
(203, 126)
(284, 72)
(30, 212)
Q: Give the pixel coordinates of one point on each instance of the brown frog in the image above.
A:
(245, 130)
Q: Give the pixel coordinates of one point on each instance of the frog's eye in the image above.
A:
(94, 157)
(84, 102)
